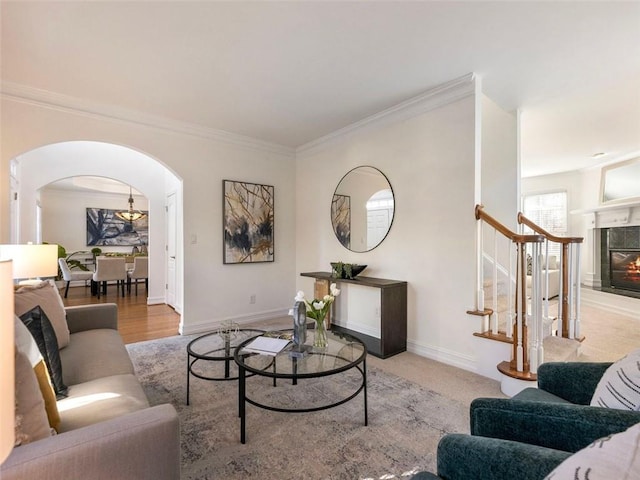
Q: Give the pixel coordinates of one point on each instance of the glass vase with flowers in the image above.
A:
(318, 309)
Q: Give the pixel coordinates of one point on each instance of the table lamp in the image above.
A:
(31, 261)
(7, 370)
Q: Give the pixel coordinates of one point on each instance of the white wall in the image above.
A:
(429, 161)
(212, 291)
(499, 163)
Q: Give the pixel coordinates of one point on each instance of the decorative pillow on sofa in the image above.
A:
(31, 417)
(47, 296)
(619, 387)
(27, 345)
(553, 263)
(42, 332)
(613, 457)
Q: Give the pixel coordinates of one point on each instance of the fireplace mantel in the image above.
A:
(611, 216)
(596, 219)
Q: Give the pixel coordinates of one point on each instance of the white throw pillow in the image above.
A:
(619, 387)
(613, 457)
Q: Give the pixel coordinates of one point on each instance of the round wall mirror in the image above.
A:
(362, 209)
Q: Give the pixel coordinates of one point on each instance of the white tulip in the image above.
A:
(300, 296)
(334, 290)
(327, 298)
(318, 305)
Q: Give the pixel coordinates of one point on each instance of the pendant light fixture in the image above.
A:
(130, 215)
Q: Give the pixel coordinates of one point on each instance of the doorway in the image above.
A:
(50, 163)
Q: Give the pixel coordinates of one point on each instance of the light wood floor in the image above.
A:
(137, 321)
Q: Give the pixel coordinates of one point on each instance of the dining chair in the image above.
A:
(140, 271)
(110, 268)
(69, 275)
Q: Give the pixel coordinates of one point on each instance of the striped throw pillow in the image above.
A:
(619, 387)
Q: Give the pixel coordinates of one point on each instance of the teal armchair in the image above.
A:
(555, 415)
(527, 436)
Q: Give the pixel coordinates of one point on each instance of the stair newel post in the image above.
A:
(561, 307)
(545, 301)
(494, 315)
(513, 251)
(577, 248)
(521, 309)
(564, 288)
(570, 292)
(534, 320)
(479, 267)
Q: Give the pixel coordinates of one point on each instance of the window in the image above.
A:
(549, 211)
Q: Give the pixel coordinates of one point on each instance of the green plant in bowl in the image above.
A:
(346, 270)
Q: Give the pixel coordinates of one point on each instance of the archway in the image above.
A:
(44, 165)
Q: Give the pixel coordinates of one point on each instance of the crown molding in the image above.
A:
(439, 96)
(77, 106)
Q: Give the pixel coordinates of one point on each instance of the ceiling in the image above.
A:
(292, 72)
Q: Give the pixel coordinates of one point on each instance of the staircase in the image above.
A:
(534, 328)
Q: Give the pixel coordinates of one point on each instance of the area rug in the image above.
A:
(406, 421)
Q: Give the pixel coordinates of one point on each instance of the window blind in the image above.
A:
(549, 211)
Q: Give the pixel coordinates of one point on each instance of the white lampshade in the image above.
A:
(7, 369)
(31, 261)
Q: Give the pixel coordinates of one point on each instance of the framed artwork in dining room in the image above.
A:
(105, 228)
(248, 222)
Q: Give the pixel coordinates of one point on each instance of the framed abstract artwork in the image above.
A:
(247, 222)
(105, 228)
(341, 218)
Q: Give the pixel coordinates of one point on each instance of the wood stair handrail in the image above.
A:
(513, 236)
(536, 228)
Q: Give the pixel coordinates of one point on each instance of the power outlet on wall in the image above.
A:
(252, 299)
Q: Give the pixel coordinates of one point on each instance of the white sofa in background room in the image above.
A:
(552, 277)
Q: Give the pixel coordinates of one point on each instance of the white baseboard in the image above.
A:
(214, 323)
(155, 300)
(443, 355)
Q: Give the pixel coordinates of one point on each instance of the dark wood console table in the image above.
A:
(393, 312)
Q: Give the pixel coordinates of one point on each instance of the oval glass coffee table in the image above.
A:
(343, 354)
(204, 353)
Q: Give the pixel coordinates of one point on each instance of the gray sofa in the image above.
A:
(107, 429)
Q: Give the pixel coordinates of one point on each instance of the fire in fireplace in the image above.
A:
(625, 269)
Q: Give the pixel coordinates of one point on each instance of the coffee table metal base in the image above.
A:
(243, 399)
(224, 353)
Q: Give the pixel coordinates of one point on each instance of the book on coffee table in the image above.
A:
(267, 345)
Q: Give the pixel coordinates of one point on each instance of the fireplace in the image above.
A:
(620, 260)
(625, 269)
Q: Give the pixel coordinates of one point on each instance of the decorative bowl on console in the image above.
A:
(346, 270)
